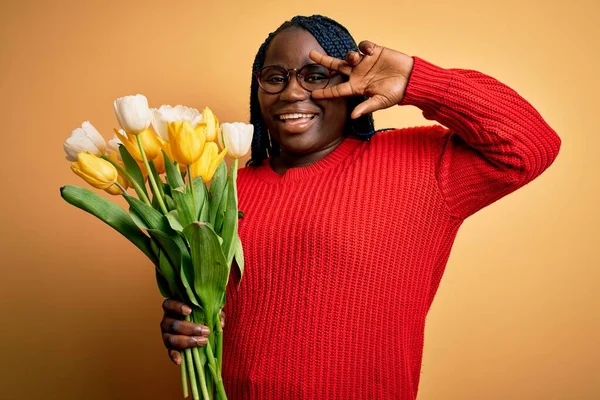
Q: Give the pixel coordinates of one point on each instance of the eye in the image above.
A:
(274, 79)
(315, 77)
(315, 73)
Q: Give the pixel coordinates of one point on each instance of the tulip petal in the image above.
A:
(93, 134)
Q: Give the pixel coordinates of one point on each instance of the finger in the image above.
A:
(368, 106)
(353, 58)
(332, 63)
(332, 92)
(175, 357)
(367, 47)
(222, 320)
(172, 325)
(175, 307)
(181, 342)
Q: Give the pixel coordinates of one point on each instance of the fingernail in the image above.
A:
(200, 340)
(186, 310)
(201, 330)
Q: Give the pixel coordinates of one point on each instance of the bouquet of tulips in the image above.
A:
(185, 220)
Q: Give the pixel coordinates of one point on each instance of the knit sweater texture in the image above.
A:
(343, 257)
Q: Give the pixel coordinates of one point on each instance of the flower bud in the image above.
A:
(94, 170)
(133, 113)
(83, 139)
(236, 137)
(212, 124)
(186, 142)
(209, 161)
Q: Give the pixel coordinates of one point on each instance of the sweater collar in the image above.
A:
(339, 154)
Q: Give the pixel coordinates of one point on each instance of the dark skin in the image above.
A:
(377, 72)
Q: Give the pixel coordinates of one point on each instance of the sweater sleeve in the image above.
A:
(496, 142)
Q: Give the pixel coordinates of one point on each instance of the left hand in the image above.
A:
(376, 72)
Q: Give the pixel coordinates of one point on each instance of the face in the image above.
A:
(322, 122)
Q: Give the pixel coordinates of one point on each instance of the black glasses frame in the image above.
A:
(288, 72)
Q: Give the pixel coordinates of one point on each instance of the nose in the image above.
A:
(293, 91)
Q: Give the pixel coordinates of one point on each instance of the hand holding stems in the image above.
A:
(377, 72)
(179, 334)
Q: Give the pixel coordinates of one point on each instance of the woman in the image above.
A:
(346, 231)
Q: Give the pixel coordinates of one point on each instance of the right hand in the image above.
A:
(178, 334)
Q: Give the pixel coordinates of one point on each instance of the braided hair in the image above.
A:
(336, 41)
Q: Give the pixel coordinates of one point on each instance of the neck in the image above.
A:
(287, 160)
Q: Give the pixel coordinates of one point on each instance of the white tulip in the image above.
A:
(86, 138)
(133, 113)
(113, 144)
(166, 113)
(236, 137)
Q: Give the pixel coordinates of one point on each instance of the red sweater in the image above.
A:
(344, 257)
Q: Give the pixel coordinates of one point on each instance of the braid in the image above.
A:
(336, 41)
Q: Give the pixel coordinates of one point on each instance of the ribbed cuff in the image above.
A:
(427, 85)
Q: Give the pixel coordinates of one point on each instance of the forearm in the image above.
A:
(488, 115)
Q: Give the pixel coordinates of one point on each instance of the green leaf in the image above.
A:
(161, 282)
(177, 254)
(173, 218)
(169, 276)
(152, 218)
(138, 219)
(220, 216)
(133, 168)
(187, 278)
(169, 202)
(230, 223)
(159, 185)
(174, 178)
(111, 214)
(210, 267)
(185, 204)
(216, 192)
(239, 256)
(201, 197)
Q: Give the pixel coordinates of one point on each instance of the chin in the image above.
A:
(301, 143)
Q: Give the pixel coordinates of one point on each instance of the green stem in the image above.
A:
(138, 189)
(219, 339)
(191, 374)
(189, 172)
(120, 187)
(184, 381)
(200, 371)
(199, 366)
(234, 178)
(215, 372)
(151, 177)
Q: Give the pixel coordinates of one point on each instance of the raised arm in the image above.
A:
(495, 141)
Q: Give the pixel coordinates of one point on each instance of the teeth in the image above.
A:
(295, 116)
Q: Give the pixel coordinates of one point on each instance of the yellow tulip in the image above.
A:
(212, 124)
(94, 170)
(149, 140)
(209, 161)
(167, 149)
(186, 142)
(114, 189)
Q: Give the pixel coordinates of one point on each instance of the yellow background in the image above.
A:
(517, 314)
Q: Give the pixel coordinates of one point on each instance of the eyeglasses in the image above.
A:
(274, 79)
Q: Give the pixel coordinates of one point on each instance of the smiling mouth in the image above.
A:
(295, 117)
